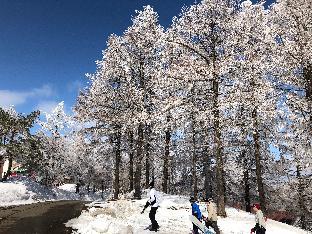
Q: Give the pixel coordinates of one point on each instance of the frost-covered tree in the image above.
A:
(143, 45)
(127, 74)
(255, 97)
(88, 162)
(105, 102)
(53, 134)
(205, 106)
(201, 38)
(292, 29)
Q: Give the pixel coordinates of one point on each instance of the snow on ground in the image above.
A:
(23, 190)
(68, 187)
(241, 222)
(124, 217)
(14, 194)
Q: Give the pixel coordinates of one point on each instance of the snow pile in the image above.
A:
(124, 217)
(14, 194)
(23, 190)
(68, 187)
(241, 222)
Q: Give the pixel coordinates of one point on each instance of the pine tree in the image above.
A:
(15, 133)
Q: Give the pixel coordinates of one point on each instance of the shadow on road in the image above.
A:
(39, 218)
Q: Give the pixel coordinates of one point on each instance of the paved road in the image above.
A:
(39, 218)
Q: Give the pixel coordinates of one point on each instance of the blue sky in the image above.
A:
(46, 47)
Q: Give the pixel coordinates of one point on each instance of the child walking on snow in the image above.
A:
(260, 221)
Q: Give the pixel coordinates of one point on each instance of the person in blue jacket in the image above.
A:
(195, 212)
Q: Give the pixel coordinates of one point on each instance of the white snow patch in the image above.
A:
(68, 187)
(23, 190)
(124, 217)
(15, 194)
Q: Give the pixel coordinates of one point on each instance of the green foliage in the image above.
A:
(15, 136)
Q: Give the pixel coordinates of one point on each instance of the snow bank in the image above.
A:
(15, 194)
(124, 217)
(241, 222)
(23, 190)
(68, 187)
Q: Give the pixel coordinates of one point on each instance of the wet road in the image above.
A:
(39, 218)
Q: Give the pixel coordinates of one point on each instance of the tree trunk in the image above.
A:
(208, 176)
(256, 138)
(302, 208)
(194, 158)
(247, 191)
(139, 157)
(224, 183)
(205, 155)
(307, 73)
(2, 158)
(147, 154)
(147, 165)
(117, 163)
(246, 183)
(171, 176)
(1, 166)
(218, 144)
(166, 158)
(77, 187)
(102, 189)
(131, 153)
(8, 172)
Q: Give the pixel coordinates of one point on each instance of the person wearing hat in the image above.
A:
(154, 203)
(260, 221)
(195, 212)
(211, 220)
